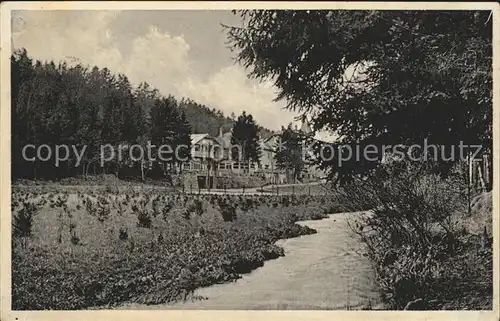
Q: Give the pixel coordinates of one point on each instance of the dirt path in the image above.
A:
(321, 271)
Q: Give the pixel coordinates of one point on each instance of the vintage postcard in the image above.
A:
(249, 160)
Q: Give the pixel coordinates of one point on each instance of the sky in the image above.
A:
(183, 53)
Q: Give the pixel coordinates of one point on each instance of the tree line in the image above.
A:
(57, 104)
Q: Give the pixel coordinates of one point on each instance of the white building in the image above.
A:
(211, 159)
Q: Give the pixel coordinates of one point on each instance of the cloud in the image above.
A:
(232, 91)
(63, 35)
(160, 59)
(157, 57)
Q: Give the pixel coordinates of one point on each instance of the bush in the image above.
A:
(412, 229)
(197, 207)
(227, 209)
(123, 234)
(410, 205)
(143, 216)
(103, 209)
(23, 222)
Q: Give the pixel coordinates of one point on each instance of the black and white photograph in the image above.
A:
(249, 157)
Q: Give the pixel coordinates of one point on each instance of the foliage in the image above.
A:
(61, 104)
(22, 223)
(162, 263)
(205, 120)
(170, 128)
(245, 134)
(289, 153)
(227, 208)
(413, 232)
(376, 77)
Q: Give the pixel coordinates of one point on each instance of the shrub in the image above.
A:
(227, 208)
(23, 222)
(410, 205)
(144, 219)
(103, 210)
(75, 240)
(167, 208)
(122, 234)
(410, 231)
(90, 206)
(119, 206)
(197, 207)
(143, 215)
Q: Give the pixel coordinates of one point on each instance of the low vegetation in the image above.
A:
(429, 253)
(100, 249)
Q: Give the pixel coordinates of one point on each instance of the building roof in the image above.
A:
(225, 139)
(195, 138)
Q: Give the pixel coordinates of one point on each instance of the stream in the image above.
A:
(326, 271)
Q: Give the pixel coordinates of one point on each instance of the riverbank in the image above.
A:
(146, 247)
(328, 270)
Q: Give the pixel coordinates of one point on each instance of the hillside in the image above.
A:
(204, 119)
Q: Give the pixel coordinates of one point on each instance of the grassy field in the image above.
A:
(85, 248)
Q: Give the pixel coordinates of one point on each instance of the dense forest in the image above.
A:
(77, 106)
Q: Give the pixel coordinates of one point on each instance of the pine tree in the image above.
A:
(183, 139)
(164, 122)
(288, 154)
(91, 107)
(246, 137)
